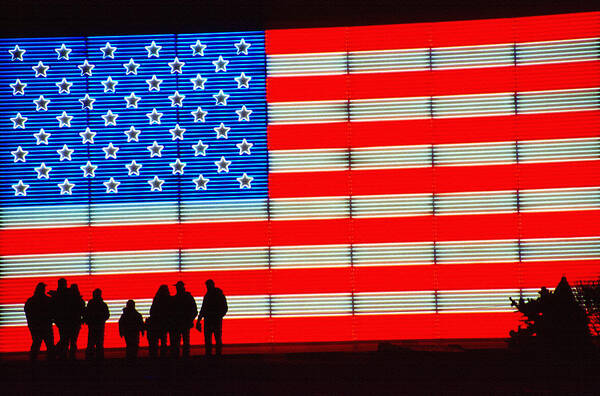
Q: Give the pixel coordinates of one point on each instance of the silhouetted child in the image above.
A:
(131, 325)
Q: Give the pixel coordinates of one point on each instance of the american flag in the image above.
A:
(339, 184)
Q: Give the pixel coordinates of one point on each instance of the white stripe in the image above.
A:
(44, 216)
(475, 153)
(316, 160)
(462, 252)
(134, 213)
(211, 211)
(391, 157)
(399, 60)
(309, 208)
(225, 259)
(447, 106)
(329, 304)
(559, 150)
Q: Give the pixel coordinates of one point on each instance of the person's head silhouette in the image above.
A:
(180, 287)
(97, 294)
(62, 284)
(130, 305)
(40, 289)
(210, 284)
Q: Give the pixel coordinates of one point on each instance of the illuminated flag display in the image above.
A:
(339, 184)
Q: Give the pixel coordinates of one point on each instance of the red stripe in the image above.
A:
(476, 32)
(393, 229)
(560, 224)
(396, 327)
(310, 232)
(477, 325)
(477, 227)
(313, 184)
(557, 27)
(287, 137)
(301, 41)
(435, 83)
(441, 34)
(578, 124)
(559, 174)
(385, 37)
(285, 89)
(475, 178)
(536, 274)
(318, 329)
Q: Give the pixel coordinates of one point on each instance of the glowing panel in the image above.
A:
(381, 182)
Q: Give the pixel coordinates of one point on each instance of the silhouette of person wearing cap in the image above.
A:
(96, 315)
(183, 313)
(60, 301)
(131, 324)
(39, 320)
(214, 308)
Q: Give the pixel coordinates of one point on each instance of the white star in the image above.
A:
(40, 69)
(110, 118)
(176, 66)
(154, 117)
(87, 102)
(19, 121)
(132, 134)
(198, 48)
(177, 166)
(64, 86)
(64, 120)
(41, 103)
(18, 88)
(198, 82)
(132, 100)
(63, 52)
(20, 188)
(243, 80)
(88, 169)
(201, 182)
(177, 132)
(42, 137)
(19, 154)
(200, 149)
(222, 165)
(131, 67)
(109, 84)
(111, 185)
(245, 181)
(199, 114)
(66, 187)
(155, 149)
(242, 47)
(153, 49)
(108, 51)
(221, 98)
(222, 131)
(86, 68)
(65, 153)
(17, 53)
(244, 147)
(220, 64)
(87, 136)
(243, 114)
(133, 168)
(156, 184)
(43, 171)
(176, 99)
(111, 151)
(154, 83)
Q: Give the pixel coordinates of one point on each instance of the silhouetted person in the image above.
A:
(183, 313)
(131, 325)
(96, 315)
(75, 318)
(61, 301)
(157, 325)
(39, 320)
(214, 307)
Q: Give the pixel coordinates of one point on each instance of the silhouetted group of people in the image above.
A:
(167, 328)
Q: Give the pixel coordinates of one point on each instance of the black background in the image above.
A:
(28, 18)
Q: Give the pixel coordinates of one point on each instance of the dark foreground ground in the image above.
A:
(395, 371)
